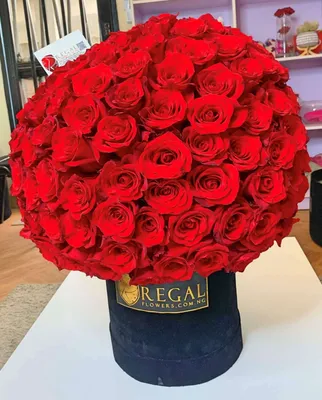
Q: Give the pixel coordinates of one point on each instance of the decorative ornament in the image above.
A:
(307, 39)
(284, 36)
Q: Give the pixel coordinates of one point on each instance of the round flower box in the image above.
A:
(178, 334)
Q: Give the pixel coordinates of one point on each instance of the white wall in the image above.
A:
(4, 120)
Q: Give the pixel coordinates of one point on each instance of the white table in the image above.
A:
(67, 354)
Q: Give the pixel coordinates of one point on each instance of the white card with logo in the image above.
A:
(65, 49)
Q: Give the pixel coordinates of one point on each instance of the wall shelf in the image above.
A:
(298, 58)
(313, 127)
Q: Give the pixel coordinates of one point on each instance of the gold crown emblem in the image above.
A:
(129, 293)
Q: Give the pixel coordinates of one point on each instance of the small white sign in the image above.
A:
(65, 49)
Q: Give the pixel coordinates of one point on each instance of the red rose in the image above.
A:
(122, 181)
(83, 113)
(115, 219)
(262, 230)
(73, 259)
(250, 69)
(70, 149)
(149, 227)
(121, 258)
(210, 114)
(256, 50)
(284, 228)
(47, 249)
(42, 134)
(246, 151)
(238, 260)
(30, 188)
(270, 66)
(279, 102)
(301, 162)
(164, 22)
(17, 175)
(102, 271)
(47, 178)
(189, 27)
(174, 72)
(73, 66)
(125, 96)
(32, 229)
(169, 196)
(17, 138)
(119, 40)
(132, 65)
(293, 97)
(214, 185)
(78, 233)
(293, 125)
(208, 257)
(265, 186)
(283, 74)
(301, 189)
(295, 177)
(78, 196)
(145, 276)
(30, 153)
(152, 43)
(114, 133)
(281, 150)
(102, 53)
(172, 269)
(165, 157)
(218, 79)
(199, 51)
(93, 81)
(232, 223)
(213, 25)
(206, 149)
(51, 223)
(288, 207)
(167, 108)
(259, 118)
(192, 226)
(58, 101)
(284, 30)
(34, 111)
(284, 11)
(231, 47)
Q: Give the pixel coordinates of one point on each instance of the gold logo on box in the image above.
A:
(171, 298)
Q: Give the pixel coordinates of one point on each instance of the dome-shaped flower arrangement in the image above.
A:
(173, 148)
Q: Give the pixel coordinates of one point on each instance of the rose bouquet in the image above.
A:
(171, 152)
(173, 148)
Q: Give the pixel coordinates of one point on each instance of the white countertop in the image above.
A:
(67, 354)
